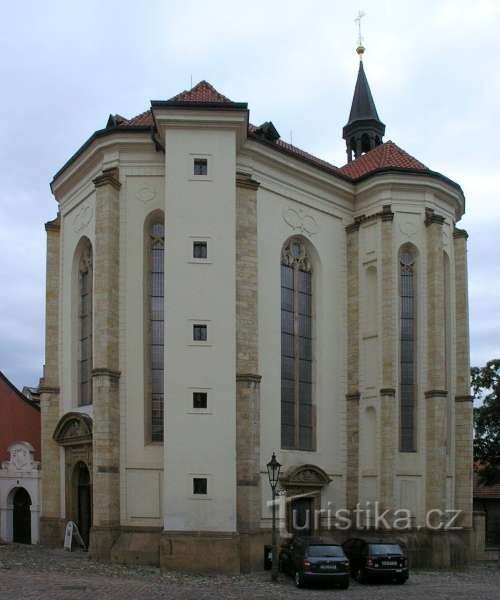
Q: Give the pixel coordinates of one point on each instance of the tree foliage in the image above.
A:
(485, 383)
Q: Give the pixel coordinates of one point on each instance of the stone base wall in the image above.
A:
(137, 546)
(52, 531)
(102, 540)
(200, 552)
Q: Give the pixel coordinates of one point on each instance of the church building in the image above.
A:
(216, 294)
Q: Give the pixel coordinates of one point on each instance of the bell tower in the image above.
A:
(364, 130)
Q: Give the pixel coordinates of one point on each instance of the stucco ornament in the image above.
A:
(21, 456)
(298, 220)
(408, 227)
(82, 218)
(146, 194)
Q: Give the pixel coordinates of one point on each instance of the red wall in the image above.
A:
(19, 419)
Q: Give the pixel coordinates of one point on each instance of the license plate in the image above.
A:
(389, 563)
(327, 567)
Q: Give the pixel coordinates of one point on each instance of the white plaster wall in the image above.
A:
(324, 230)
(201, 445)
(142, 193)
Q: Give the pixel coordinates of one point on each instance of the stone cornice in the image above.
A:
(245, 180)
(54, 225)
(47, 389)
(436, 394)
(249, 377)
(103, 372)
(466, 398)
(388, 392)
(460, 233)
(108, 177)
(431, 217)
(385, 214)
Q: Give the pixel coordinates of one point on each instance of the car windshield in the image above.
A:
(376, 549)
(317, 551)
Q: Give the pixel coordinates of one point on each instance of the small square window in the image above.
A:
(200, 333)
(200, 400)
(200, 166)
(200, 249)
(200, 485)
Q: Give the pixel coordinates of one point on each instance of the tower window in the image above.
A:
(200, 249)
(200, 486)
(407, 383)
(200, 333)
(297, 410)
(85, 276)
(200, 166)
(156, 326)
(200, 400)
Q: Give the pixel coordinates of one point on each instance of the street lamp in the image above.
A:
(273, 471)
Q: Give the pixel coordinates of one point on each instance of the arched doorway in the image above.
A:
(22, 517)
(82, 486)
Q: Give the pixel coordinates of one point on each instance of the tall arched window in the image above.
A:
(155, 305)
(297, 412)
(407, 377)
(85, 325)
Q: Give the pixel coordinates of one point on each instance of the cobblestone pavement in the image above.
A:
(30, 572)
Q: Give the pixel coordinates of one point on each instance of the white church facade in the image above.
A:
(215, 294)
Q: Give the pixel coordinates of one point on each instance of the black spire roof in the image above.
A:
(364, 130)
(363, 106)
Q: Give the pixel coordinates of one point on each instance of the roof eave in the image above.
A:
(312, 163)
(100, 133)
(199, 105)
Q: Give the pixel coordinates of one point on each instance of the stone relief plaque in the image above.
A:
(299, 221)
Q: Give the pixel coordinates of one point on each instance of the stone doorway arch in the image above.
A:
(21, 516)
(303, 485)
(74, 433)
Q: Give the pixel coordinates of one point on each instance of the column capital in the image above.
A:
(431, 217)
(466, 398)
(436, 394)
(355, 396)
(245, 180)
(388, 392)
(387, 214)
(54, 225)
(460, 233)
(108, 177)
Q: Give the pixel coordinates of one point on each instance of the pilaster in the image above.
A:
(435, 394)
(389, 426)
(463, 400)
(105, 375)
(247, 377)
(51, 522)
(352, 398)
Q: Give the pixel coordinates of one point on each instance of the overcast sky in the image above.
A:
(433, 67)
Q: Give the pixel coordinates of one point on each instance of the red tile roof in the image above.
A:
(385, 156)
(485, 491)
(201, 92)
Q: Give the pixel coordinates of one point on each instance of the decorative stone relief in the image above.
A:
(298, 220)
(82, 218)
(21, 457)
(146, 194)
(408, 225)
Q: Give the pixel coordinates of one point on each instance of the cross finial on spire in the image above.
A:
(360, 49)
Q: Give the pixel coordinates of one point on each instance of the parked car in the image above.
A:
(310, 559)
(370, 559)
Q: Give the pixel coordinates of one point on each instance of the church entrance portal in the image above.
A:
(22, 517)
(83, 501)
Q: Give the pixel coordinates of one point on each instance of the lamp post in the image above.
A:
(273, 471)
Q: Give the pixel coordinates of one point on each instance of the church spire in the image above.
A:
(364, 129)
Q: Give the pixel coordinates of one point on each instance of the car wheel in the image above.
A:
(361, 576)
(345, 584)
(299, 580)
